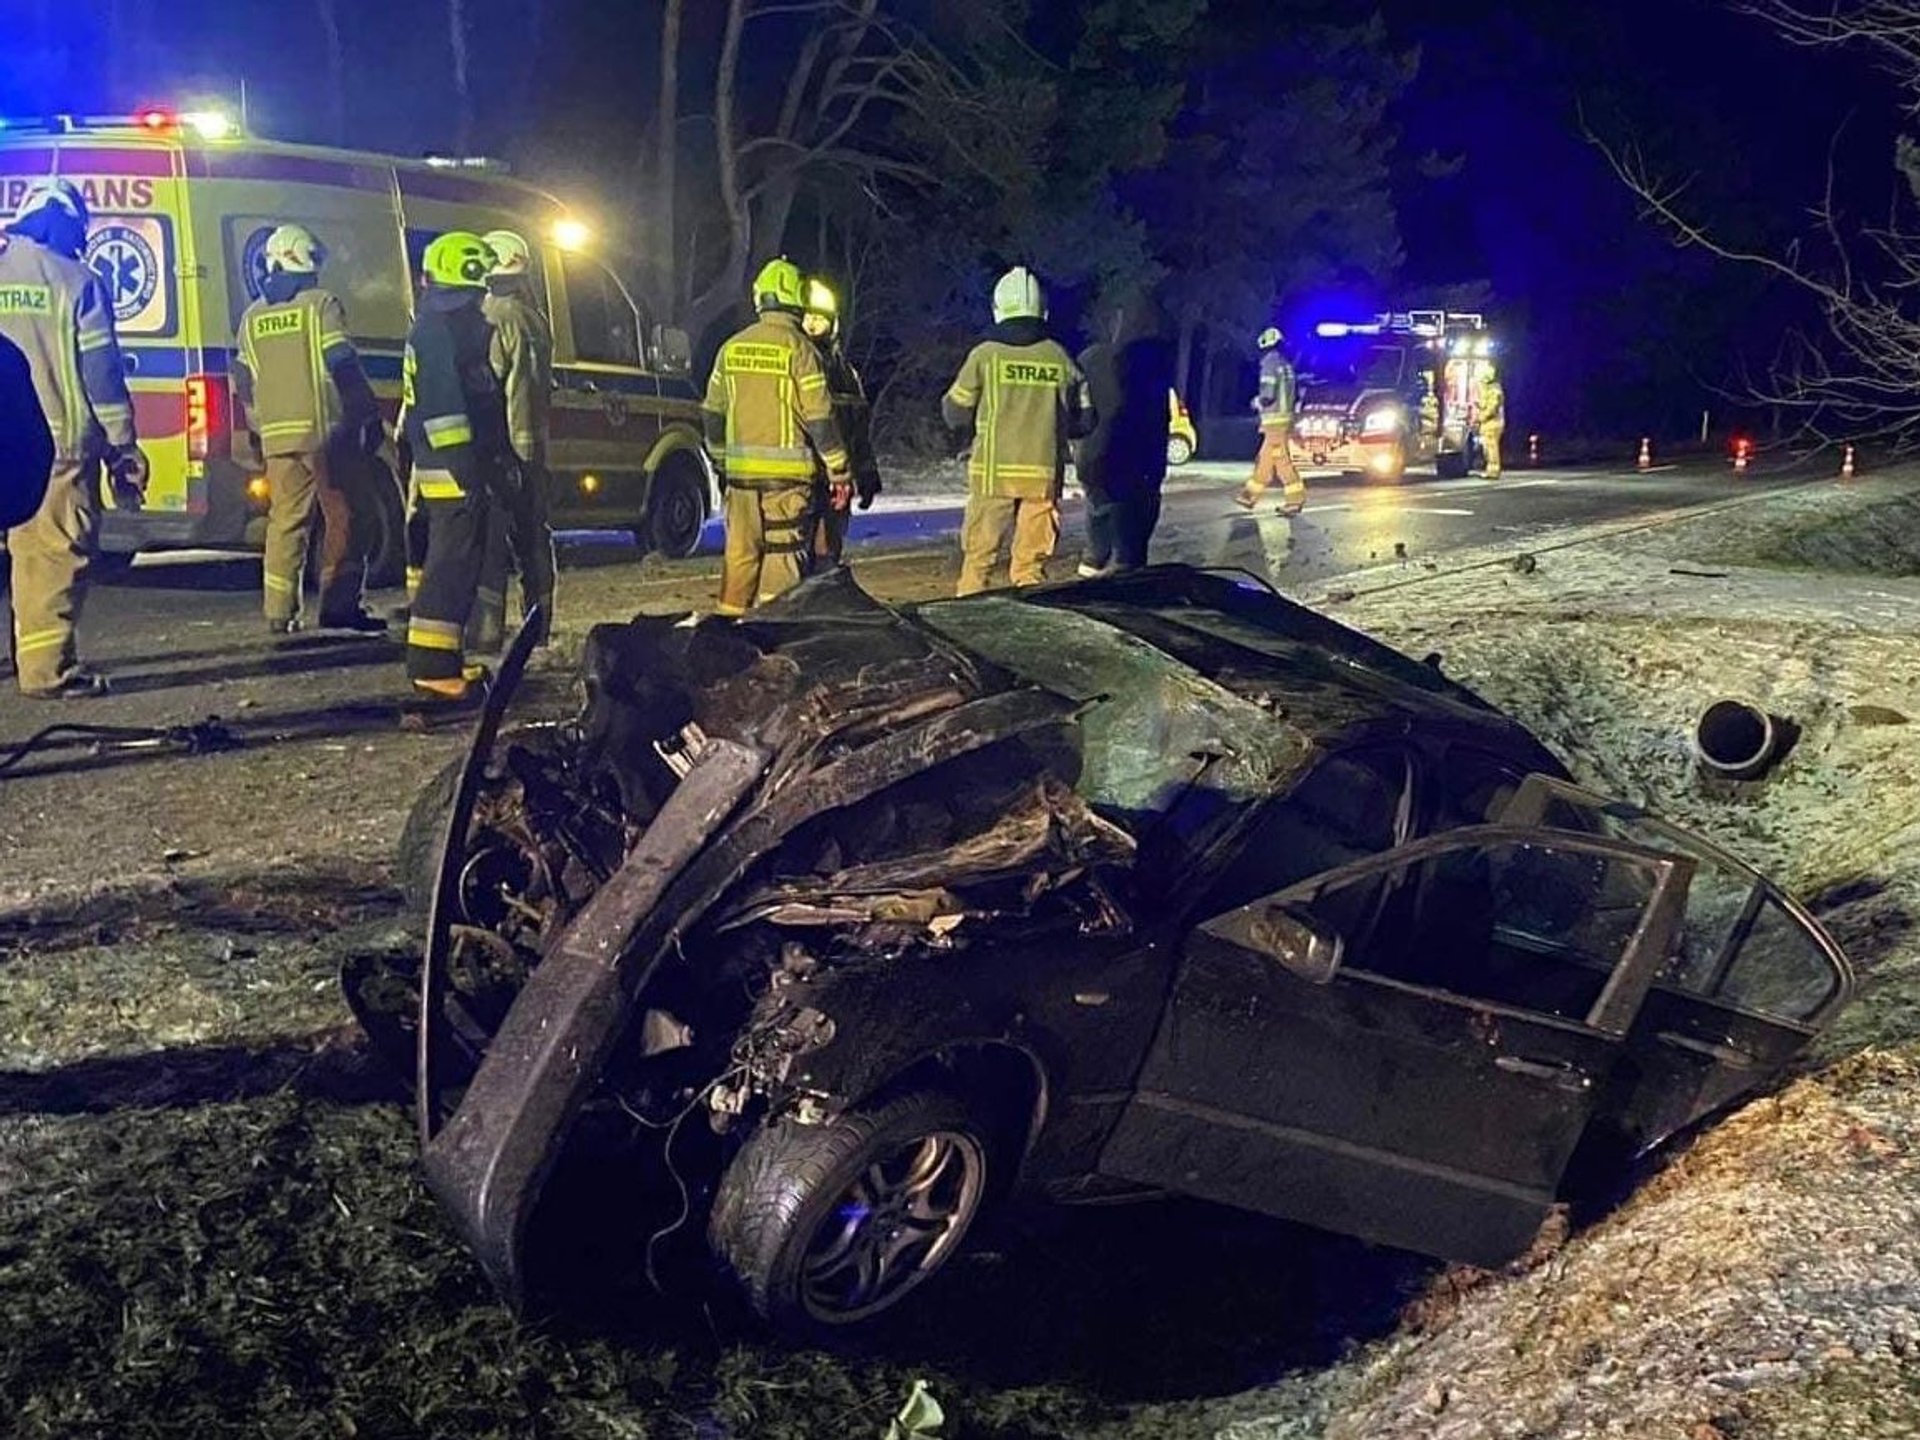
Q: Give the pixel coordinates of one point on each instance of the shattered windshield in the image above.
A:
(1156, 735)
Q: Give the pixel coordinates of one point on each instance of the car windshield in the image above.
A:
(1157, 737)
(1352, 365)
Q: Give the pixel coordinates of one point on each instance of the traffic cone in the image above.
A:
(1646, 452)
(1846, 464)
(1533, 449)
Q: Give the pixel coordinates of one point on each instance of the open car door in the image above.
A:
(1407, 1048)
(1749, 978)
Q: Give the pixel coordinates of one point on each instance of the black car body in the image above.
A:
(1152, 883)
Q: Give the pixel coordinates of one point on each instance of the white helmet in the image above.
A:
(53, 194)
(511, 254)
(1018, 296)
(293, 250)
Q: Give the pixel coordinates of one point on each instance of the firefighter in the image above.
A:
(770, 419)
(456, 422)
(1024, 399)
(55, 312)
(1274, 405)
(315, 421)
(854, 416)
(1490, 405)
(520, 534)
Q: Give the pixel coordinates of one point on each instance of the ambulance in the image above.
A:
(1379, 396)
(182, 205)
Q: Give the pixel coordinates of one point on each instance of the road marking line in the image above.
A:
(1324, 509)
(1432, 510)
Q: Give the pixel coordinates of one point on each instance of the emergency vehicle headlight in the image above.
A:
(571, 234)
(1382, 421)
(210, 124)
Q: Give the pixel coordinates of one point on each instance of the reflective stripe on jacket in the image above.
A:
(521, 353)
(768, 411)
(54, 310)
(285, 371)
(1026, 401)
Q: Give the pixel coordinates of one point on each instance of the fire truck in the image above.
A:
(1379, 396)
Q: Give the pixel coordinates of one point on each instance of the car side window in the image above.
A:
(606, 327)
(1518, 923)
(1346, 808)
(1470, 787)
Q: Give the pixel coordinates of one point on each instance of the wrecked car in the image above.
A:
(1151, 884)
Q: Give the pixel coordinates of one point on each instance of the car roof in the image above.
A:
(1331, 683)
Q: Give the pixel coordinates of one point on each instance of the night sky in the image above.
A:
(1609, 328)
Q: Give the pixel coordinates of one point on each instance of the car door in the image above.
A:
(606, 404)
(1749, 979)
(1408, 1048)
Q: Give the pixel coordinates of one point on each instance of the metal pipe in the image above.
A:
(1738, 740)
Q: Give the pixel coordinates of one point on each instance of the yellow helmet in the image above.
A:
(458, 258)
(822, 307)
(1270, 338)
(779, 286)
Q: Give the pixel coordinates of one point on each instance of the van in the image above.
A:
(182, 207)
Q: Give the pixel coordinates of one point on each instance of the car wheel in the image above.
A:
(1179, 450)
(830, 1225)
(676, 507)
(386, 531)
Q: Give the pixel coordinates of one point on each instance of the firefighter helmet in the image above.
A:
(1271, 338)
(511, 254)
(779, 286)
(823, 309)
(1018, 296)
(53, 193)
(292, 250)
(458, 258)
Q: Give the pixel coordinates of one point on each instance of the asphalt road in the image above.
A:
(180, 608)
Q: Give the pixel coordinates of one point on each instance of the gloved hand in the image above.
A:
(869, 487)
(130, 473)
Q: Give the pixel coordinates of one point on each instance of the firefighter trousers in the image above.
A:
(1490, 434)
(51, 554)
(297, 485)
(1275, 462)
(767, 541)
(449, 581)
(1035, 525)
(519, 540)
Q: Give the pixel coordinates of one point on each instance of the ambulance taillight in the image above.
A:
(209, 417)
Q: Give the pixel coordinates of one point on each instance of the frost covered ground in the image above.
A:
(209, 1225)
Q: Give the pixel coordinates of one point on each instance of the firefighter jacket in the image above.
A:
(768, 413)
(1274, 403)
(1492, 406)
(1025, 399)
(298, 374)
(854, 415)
(456, 415)
(521, 354)
(55, 313)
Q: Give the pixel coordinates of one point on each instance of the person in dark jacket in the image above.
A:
(1122, 465)
(26, 460)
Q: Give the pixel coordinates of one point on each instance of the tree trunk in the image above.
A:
(336, 70)
(1204, 406)
(666, 162)
(462, 89)
(723, 292)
